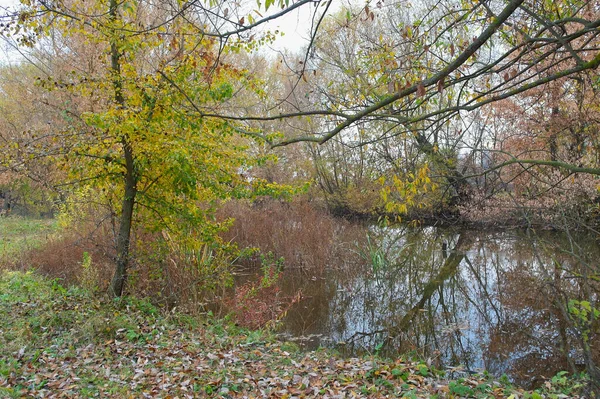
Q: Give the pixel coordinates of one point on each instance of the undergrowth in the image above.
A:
(67, 342)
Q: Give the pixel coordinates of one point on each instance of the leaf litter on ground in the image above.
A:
(65, 343)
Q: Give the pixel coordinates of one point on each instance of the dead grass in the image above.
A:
(307, 237)
(62, 256)
(169, 276)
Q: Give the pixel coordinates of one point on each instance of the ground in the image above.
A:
(65, 342)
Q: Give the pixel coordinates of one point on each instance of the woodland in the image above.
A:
(165, 145)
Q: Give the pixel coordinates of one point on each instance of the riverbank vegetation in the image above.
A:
(66, 342)
(183, 160)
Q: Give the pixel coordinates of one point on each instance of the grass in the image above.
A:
(19, 234)
(66, 342)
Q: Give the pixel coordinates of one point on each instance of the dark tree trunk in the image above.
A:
(129, 178)
(456, 181)
(126, 221)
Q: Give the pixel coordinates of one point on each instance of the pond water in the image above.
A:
(476, 300)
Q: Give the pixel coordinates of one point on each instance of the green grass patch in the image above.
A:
(19, 234)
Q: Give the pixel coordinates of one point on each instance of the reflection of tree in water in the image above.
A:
(490, 301)
(527, 335)
(538, 332)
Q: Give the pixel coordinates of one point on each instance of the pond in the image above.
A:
(461, 299)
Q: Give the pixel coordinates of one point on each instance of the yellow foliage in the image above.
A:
(148, 130)
(403, 193)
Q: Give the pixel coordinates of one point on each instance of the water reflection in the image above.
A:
(494, 301)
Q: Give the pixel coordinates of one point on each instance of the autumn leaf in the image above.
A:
(175, 359)
(440, 85)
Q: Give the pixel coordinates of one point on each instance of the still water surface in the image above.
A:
(479, 300)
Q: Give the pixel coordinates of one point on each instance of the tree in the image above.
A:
(499, 61)
(25, 186)
(417, 80)
(422, 70)
(128, 132)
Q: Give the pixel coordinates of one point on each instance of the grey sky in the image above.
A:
(295, 25)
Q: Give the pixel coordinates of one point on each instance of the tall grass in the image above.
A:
(374, 255)
(307, 237)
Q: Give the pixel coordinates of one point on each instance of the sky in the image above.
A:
(294, 25)
(5, 53)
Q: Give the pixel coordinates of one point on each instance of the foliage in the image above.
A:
(130, 142)
(403, 194)
(271, 269)
(584, 314)
(561, 385)
(25, 197)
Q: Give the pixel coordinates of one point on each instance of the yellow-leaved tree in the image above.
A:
(141, 79)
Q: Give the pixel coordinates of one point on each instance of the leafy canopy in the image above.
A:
(130, 91)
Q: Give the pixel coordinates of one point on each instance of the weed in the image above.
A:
(271, 269)
(400, 373)
(461, 389)
(89, 274)
(375, 256)
(423, 369)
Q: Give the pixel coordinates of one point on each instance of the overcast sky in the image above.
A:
(6, 3)
(295, 25)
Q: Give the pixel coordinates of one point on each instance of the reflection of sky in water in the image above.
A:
(362, 308)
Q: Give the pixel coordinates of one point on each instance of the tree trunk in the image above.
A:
(130, 177)
(124, 237)
(454, 177)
